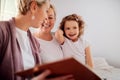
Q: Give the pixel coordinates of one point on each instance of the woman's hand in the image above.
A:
(65, 77)
(43, 76)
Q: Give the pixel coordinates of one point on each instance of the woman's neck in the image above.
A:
(45, 36)
(22, 23)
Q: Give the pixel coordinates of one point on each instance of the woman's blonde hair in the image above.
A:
(53, 8)
(24, 5)
(73, 17)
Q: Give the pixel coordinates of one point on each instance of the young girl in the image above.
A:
(69, 36)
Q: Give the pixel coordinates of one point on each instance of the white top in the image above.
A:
(75, 49)
(50, 50)
(27, 56)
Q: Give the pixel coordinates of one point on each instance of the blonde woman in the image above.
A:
(52, 52)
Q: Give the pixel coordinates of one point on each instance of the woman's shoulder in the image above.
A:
(6, 27)
(7, 24)
(3, 24)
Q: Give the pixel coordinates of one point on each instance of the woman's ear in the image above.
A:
(33, 7)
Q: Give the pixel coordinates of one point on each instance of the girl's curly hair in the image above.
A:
(73, 17)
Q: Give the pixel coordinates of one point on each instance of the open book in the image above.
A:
(62, 67)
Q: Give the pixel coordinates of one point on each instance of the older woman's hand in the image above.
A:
(43, 76)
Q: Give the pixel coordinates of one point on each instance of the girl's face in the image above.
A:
(71, 29)
(51, 21)
(40, 14)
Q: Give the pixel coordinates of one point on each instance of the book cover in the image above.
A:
(61, 68)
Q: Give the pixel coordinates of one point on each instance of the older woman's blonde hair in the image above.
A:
(73, 17)
(24, 5)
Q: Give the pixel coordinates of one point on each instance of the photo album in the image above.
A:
(61, 68)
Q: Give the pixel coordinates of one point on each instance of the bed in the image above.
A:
(104, 70)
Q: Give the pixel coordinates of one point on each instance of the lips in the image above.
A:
(71, 35)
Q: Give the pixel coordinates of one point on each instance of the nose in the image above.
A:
(71, 30)
(45, 22)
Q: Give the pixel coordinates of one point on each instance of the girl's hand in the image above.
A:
(59, 36)
(59, 32)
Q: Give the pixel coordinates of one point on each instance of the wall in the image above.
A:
(7, 9)
(102, 19)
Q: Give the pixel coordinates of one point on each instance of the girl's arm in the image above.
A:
(59, 36)
(89, 60)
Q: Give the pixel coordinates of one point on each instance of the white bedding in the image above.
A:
(104, 70)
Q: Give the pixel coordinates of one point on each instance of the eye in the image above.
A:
(75, 27)
(67, 28)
